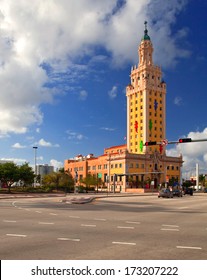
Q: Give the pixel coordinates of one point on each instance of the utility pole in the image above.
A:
(35, 165)
(197, 176)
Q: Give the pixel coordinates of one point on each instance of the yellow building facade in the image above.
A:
(146, 101)
(135, 166)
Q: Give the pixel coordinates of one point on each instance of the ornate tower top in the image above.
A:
(146, 36)
(145, 49)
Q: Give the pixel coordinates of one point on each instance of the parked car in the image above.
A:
(165, 193)
(177, 192)
(17, 184)
(188, 191)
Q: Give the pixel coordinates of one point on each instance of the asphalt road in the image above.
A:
(122, 228)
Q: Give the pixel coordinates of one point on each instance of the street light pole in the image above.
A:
(35, 164)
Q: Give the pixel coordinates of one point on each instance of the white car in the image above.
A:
(17, 184)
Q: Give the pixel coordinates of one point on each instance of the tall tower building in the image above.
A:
(135, 167)
(146, 102)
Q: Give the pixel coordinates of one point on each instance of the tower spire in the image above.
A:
(146, 36)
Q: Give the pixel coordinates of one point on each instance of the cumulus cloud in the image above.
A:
(19, 161)
(44, 143)
(57, 164)
(18, 146)
(41, 41)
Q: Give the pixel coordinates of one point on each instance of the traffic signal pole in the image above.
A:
(180, 141)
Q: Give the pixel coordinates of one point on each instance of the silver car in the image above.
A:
(165, 193)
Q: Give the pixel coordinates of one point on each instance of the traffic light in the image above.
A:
(150, 143)
(185, 140)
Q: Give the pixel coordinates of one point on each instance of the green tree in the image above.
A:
(202, 179)
(90, 180)
(58, 180)
(26, 174)
(9, 173)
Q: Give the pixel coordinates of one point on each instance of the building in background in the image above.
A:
(135, 166)
(42, 170)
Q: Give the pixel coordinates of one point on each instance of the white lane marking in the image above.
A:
(54, 214)
(186, 247)
(46, 223)
(97, 219)
(74, 217)
(131, 222)
(125, 227)
(8, 221)
(85, 225)
(170, 229)
(184, 207)
(68, 239)
(38, 212)
(123, 243)
(16, 235)
(171, 226)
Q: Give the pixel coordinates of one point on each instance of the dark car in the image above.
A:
(188, 191)
(165, 193)
(177, 192)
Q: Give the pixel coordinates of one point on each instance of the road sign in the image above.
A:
(164, 142)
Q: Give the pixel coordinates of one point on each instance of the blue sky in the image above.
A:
(64, 66)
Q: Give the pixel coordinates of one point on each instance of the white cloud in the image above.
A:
(113, 92)
(40, 35)
(108, 128)
(75, 135)
(18, 146)
(44, 143)
(15, 160)
(57, 164)
(83, 95)
(192, 152)
(178, 100)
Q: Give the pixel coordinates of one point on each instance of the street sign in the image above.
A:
(164, 142)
